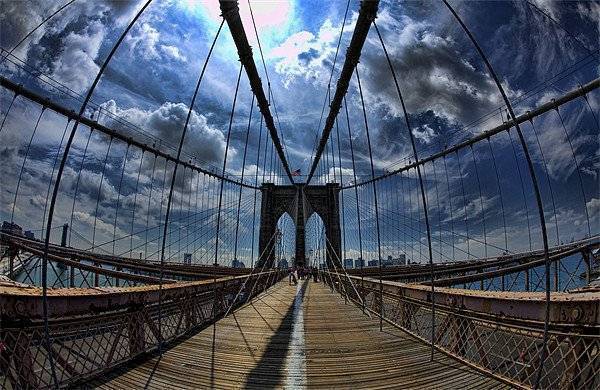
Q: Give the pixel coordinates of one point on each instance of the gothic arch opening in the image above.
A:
(285, 244)
(316, 241)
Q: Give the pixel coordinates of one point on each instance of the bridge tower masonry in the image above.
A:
(300, 202)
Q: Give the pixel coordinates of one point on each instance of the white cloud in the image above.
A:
(166, 123)
(173, 52)
(77, 31)
(273, 18)
(101, 226)
(143, 40)
(432, 74)
(309, 56)
(593, 206)
(548, 6)
(424, 133)
(76, 67)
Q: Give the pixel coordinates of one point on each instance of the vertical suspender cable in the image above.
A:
(174, 175)
(337, 129)
(119, 198)
(534, 181)
(579, 176)
(220, 204)
(360, 248)
(500, 192)
(57, 185)
(256, 190)
(100, 193)
(52, 173)
(450, 202)
(37, 123)
(464, 196)
(237, 222)
(485, 250)
(375, 198)
(8, 111)
(137, 183)
(422, 187)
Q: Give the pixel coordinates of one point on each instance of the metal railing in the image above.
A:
(94, 330)
(497, 333)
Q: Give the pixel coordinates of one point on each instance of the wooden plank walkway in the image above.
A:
(319, 342)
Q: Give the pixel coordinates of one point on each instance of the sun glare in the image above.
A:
(271, 16)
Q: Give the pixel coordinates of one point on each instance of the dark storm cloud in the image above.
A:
(433, 76)
(309, 55)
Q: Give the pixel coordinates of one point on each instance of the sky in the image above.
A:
(540, 50)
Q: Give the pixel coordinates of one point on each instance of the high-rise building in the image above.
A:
(390, 261)
(372, 263)
(283, 264)
(359, 263)
(348, 263)
(402, 259)
(187, 258)
(238, 264)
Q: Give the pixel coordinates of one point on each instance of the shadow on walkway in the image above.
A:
(269, 371)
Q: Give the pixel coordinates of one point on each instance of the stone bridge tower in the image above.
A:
(300, 202)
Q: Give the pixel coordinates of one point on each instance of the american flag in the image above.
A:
(296, 172)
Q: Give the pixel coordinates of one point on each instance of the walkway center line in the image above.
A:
(295, 363)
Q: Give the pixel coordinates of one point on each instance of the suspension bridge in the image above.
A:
(129, 261)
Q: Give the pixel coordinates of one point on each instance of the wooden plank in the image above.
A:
(343, 348)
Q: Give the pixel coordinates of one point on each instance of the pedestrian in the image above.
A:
(290, 276)
(315, 275)
(295, 276)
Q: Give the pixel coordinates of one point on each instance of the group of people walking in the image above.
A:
(300, 273)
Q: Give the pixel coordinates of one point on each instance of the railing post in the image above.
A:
(11, 264)
(72, 276)
(17, 351)
(556, 276)
(136, 331)
(586, 259)
(63, 239)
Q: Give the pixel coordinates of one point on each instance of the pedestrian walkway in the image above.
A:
(296, 337)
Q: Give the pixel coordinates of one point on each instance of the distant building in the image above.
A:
(348, 263)
(29, 234)
(238, 264)
(359, 263)
(372, 263)
(283, 264)
(402, 259)
(187, 258)
(12, 228)
(394, 261)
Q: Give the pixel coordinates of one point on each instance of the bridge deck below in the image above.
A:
(297, 337)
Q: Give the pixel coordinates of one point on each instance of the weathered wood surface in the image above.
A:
(342, 348)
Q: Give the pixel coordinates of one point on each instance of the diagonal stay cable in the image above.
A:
(230, 12)
(367, 14)
(328, 93)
